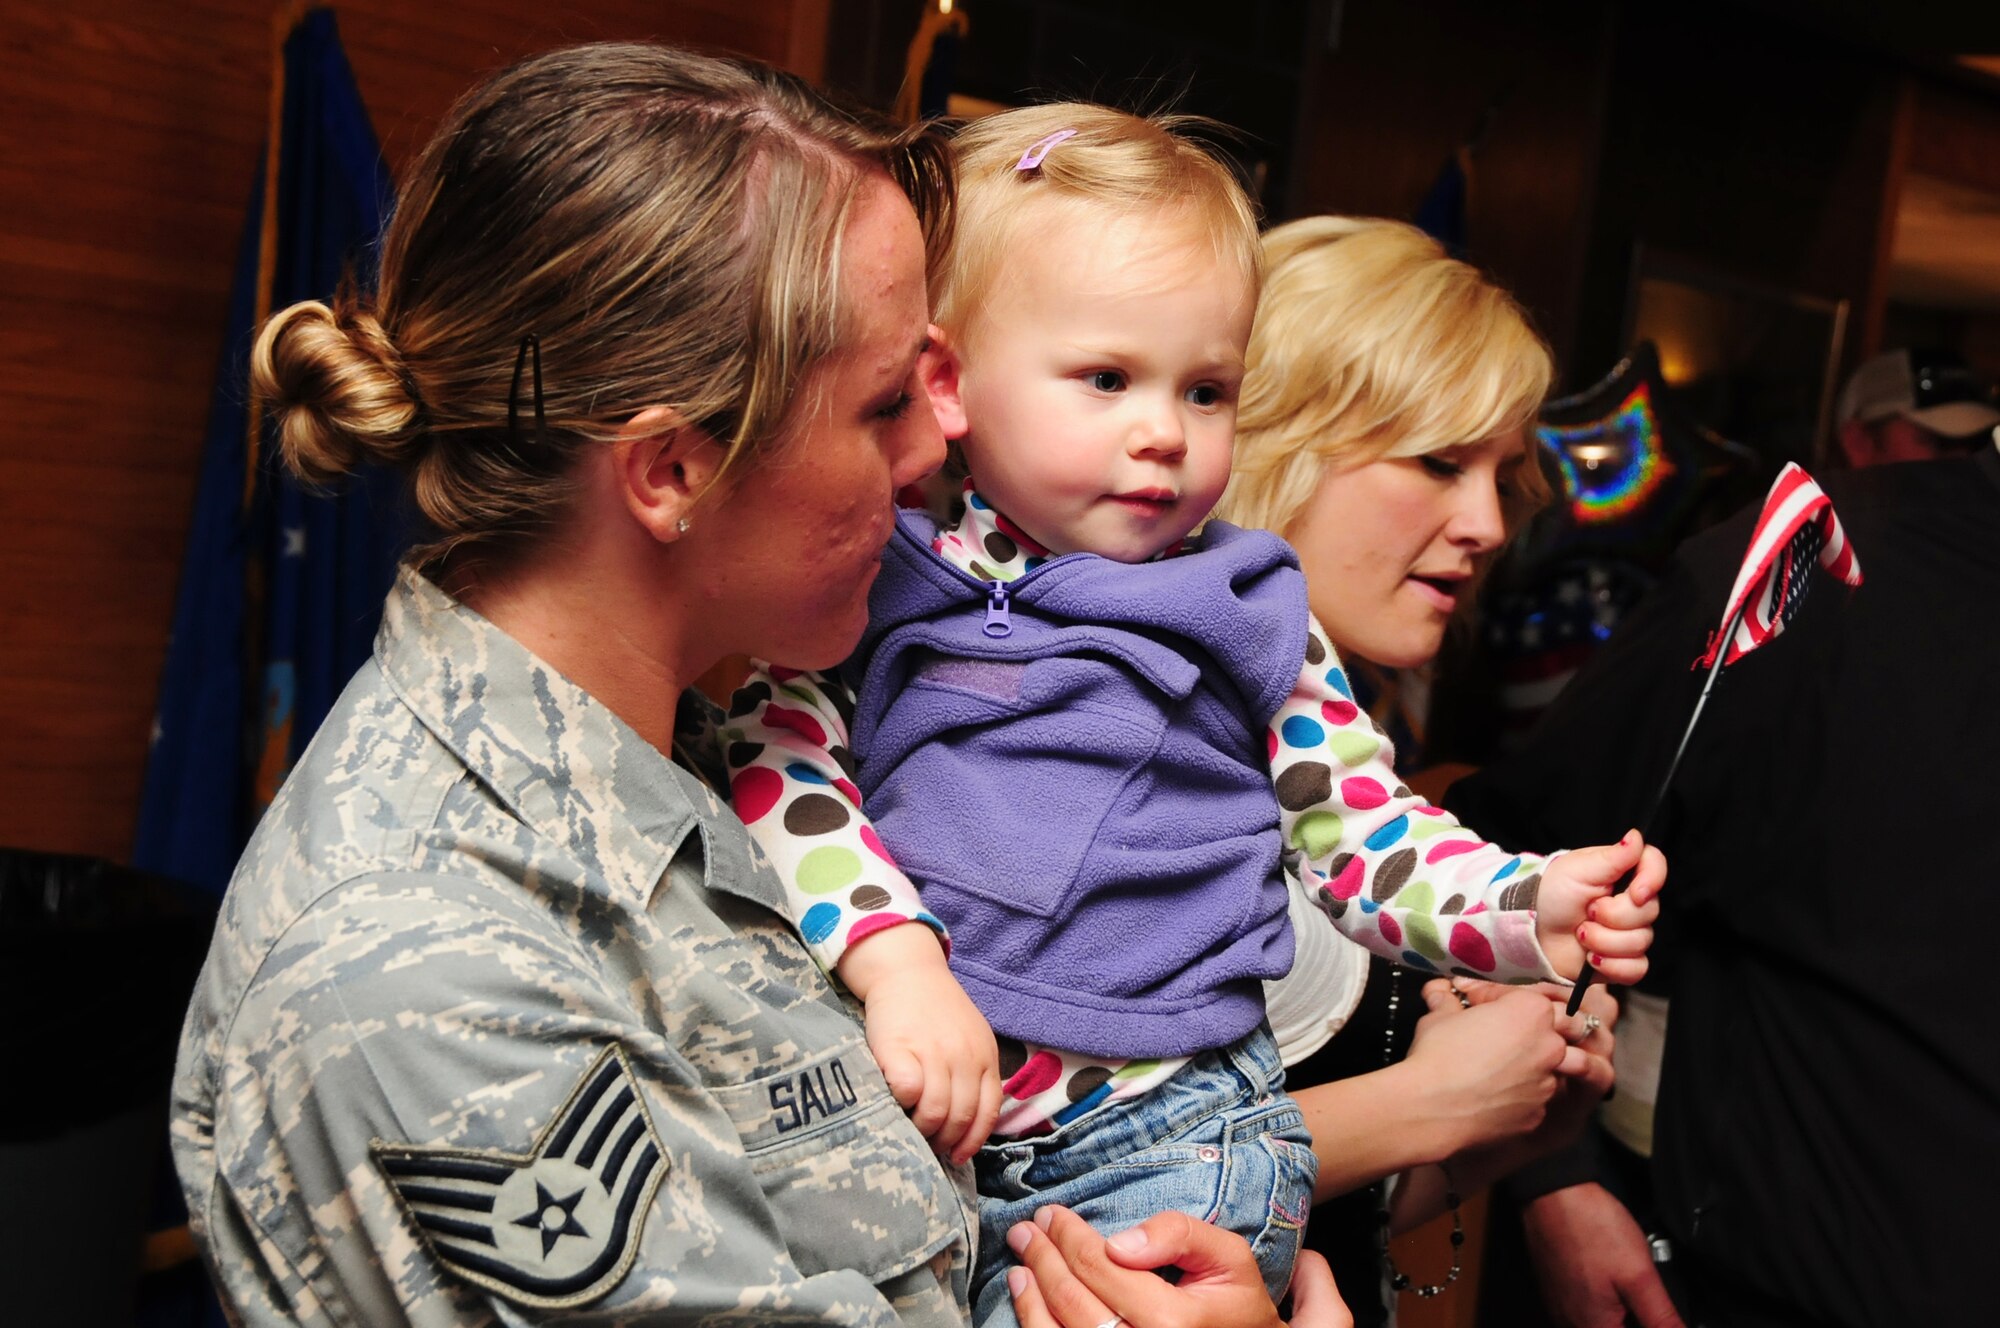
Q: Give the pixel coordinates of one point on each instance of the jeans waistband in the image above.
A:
(1246, 1070)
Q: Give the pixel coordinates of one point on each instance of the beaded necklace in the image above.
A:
(1399, 1281)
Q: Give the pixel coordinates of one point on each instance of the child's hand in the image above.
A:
(933, 1045)
(1579, 920)
(939, 1057)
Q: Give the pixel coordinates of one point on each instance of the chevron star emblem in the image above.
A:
(555, 1226)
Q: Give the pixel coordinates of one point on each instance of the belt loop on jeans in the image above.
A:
(1266, 1075)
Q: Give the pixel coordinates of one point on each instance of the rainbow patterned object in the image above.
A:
(1629, 437)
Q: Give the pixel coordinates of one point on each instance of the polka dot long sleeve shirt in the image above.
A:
(1389, 870)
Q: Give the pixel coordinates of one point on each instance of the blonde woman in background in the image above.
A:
(1384, 431)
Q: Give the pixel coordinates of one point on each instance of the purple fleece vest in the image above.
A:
(1074, 770)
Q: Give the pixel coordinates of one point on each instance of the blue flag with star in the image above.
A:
(281, 586)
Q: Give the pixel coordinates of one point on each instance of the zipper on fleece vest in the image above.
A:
(997, 621)
(999, 595)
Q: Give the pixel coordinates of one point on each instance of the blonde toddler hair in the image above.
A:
(1372, 342)
(1126, 164)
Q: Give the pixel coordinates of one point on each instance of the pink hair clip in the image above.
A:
(1033, 156)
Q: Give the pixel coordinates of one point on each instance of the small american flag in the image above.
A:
(1796, 529)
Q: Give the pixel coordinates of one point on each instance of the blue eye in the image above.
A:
(1108, 380)
(1208, 394)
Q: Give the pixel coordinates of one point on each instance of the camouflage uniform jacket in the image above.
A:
(502, 1023)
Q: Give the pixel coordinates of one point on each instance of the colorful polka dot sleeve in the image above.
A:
(791, 782)
(1394, 873)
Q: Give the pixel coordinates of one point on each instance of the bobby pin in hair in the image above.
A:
(530, 342)
(420, 421)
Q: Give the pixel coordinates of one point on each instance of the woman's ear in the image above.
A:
(939, 370)
(662, 465)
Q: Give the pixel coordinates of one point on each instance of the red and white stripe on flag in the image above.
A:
(1796, 529)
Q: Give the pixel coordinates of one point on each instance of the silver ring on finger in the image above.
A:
(1115, 1321)
(1591, 1023)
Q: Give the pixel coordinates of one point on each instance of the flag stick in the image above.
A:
(1659, 798)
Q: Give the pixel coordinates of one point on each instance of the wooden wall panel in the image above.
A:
(134, 129)
(1954, 134)
(1400, 88)
(1763, 157)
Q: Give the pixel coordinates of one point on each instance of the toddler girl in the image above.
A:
(1090, 734)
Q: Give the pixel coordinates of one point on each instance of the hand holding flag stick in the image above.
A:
(1796, 529)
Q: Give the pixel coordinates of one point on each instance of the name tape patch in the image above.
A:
(822, 1091)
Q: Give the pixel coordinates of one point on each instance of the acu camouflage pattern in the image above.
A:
(476, 882)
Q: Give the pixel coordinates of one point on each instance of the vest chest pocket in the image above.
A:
(995, 776)
(848, 1178)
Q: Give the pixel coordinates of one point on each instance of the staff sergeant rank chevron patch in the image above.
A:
(557, 1226)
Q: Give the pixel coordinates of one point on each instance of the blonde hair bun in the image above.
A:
(335, 386)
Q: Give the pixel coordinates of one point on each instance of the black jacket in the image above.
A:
(1827, 1143)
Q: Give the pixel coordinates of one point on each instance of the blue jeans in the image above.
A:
(1219, 1141)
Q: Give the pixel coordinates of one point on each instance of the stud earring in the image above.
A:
(681, 526)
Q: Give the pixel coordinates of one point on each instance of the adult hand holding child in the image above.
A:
(1070, 1276)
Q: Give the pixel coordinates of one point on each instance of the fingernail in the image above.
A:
(1018, 1237)
(1131, 1242)
(1596, 962)
(1579, 933)
(1044, 1216)
(1017, 1280)
(1591, 912)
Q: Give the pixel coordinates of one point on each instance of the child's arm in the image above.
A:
(1407, 881)
(933, 1045)
(785, 740)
